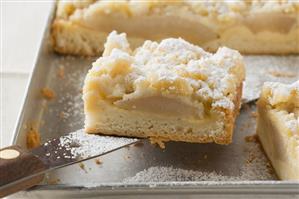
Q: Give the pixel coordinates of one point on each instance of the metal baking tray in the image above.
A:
(182, 169)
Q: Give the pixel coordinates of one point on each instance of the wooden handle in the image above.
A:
(15, 164)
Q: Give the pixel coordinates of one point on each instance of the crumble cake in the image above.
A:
(250, 26)
(171, 90)
(278, 127)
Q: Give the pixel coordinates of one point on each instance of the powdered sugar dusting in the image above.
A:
(72, 103)
(281, 93)
(85, 145)
(170, 174)
(256, 167)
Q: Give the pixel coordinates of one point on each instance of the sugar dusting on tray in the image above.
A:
(255, 167)
(67, 81)
(85, 145)
(72, 103)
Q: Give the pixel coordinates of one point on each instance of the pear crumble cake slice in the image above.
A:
(278, 127)
(171, 90)
(250, 26)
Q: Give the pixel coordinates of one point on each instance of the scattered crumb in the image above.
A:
(127, 157)
(245, 126)
(138, 144)
(158, 141)
(251, 138)
(82, 166)
(53, 181)
(32, 138)
(62, 115)
(242, 128)
(98, 161)
(250, 157)
(205, 156)
(253, 114)
(48, 93)
(282, 74)
(60, 72)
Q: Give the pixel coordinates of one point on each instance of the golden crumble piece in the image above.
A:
(33, 138)
(48, 93)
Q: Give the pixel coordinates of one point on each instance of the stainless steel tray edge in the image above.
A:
(44, 45)
(255, 189)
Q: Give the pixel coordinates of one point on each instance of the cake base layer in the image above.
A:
(110, 120)
(72, 38)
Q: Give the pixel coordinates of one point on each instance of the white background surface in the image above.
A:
(22, 26)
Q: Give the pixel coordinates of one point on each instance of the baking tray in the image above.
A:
(237, 170)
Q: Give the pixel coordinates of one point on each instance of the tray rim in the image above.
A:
(199, 186)
(42, 43)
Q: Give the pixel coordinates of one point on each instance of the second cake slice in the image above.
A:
(171, 90)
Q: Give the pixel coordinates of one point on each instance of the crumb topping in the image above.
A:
(223, 11)
(171, 68)
(277, 93)
(284, 99)
(214, 14)
(66, 8)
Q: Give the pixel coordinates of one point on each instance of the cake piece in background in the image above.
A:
(252, 27)
(278, 127)
(171, 90)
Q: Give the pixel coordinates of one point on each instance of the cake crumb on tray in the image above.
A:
(98, 161)
(60, 72)
(251, 138)
(32, 138)
(48, 93)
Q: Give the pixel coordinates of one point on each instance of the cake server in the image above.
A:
(21, 169)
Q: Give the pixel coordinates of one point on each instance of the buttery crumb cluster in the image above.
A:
(172, 68)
